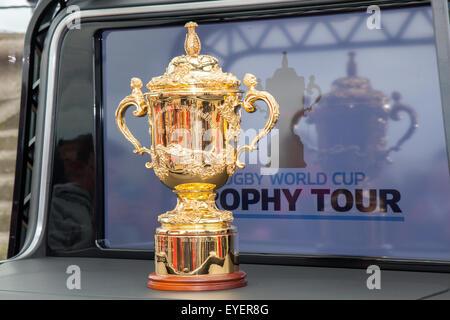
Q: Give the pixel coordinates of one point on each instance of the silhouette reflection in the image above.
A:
(289, 90)
(351, 124)
(71, 218)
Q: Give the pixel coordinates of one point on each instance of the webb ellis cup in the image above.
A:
(194, 124)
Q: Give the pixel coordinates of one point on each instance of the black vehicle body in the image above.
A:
(50, 70)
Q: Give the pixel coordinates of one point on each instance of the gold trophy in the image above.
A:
(194, 125)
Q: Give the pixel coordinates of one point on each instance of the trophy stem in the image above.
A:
(196, 205)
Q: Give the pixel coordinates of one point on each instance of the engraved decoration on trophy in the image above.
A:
(351, 124)
(194, 124)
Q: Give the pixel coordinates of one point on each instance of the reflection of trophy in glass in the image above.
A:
(351, 124)
(289, 89)
(194, 128)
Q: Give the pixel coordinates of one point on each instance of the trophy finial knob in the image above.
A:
(192, 43)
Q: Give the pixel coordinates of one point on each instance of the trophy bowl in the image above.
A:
(194, 116)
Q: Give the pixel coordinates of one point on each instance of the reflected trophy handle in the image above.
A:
(398, 107)
(274, 112)
(303, 112)
(136, 98)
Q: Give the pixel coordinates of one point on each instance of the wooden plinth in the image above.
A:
(197, 283)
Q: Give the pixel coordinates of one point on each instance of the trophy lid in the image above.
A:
(353, 89)
(193, 72)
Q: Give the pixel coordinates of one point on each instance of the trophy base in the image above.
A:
(196, 258)
(197, 283)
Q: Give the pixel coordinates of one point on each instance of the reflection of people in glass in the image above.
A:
(70, 225)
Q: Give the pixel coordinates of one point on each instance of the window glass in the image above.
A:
(363, 168)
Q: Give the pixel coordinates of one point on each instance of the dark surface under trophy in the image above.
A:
(194, 124)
